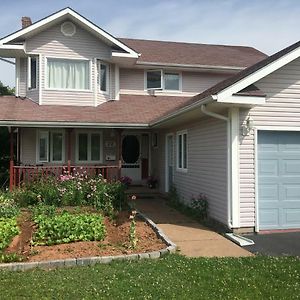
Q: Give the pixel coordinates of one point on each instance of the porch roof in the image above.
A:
(130, 110)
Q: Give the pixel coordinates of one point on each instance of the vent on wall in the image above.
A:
(68, 28)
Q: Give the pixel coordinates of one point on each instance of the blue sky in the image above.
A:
(265, 24)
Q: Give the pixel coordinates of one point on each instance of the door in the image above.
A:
(279, 179)
(131, 157)
(169, 161)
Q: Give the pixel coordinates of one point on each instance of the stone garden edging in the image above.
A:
(90, 261)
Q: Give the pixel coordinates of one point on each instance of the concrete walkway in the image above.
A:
(193, 239)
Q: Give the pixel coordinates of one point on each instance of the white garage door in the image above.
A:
(279, 179)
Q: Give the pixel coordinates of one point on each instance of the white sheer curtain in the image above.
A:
(68, 74)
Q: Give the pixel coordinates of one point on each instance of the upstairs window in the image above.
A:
(157, 79)
(66, 74)
(32, 73)
(154, 79)
(103, 76)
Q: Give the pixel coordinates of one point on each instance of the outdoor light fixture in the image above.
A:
(247, 127)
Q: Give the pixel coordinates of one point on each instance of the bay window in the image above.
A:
(32, 72)
(50, 146)
(89, 147)
(103, 76)
(182, 150)
(67, 74)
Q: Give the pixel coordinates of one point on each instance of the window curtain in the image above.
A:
(68, 74)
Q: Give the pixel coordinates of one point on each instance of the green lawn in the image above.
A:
(173, 277)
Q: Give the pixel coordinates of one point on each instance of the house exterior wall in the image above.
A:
(28, 153)
(132, 81)
(207, 164)
(282, 109)
(52, 43)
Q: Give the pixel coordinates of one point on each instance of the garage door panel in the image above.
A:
(279, 179)
(268, 167)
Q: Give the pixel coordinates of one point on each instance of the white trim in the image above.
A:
(73, 124)
(123, 55)
(259, 74)
(88, 133)
(256, 180)
(47, 88)
(17, 72)
(117, 82)
(277, 128)
(95, 68)
(40, 80)
(182, 169)
(63, 145)
(12, 47)
(206, 67)
(64, 13)
(235, 167)
(245, 100)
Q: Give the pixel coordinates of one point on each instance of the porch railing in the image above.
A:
(26, 174)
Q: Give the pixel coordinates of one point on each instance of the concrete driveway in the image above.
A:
(275, 244)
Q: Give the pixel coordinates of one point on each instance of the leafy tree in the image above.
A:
(6, 90)
(4, 140)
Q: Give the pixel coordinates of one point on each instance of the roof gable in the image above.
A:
(74, 16)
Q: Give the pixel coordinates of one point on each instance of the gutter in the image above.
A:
(229, 170)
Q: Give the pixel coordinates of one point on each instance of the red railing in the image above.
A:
(25, 174)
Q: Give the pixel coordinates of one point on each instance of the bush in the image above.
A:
(65, 228)
(200, 206)
(8, 207)
(8, 229)
(77, 190)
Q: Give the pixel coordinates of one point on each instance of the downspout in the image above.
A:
(227, 120)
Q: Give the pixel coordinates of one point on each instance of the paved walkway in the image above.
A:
(193, 239)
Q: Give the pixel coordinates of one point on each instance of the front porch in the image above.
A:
(113, 153)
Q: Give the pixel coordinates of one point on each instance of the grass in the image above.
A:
(172, 277)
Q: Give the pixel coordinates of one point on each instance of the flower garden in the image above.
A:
(70, 217)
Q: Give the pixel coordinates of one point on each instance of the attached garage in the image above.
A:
(278, 179)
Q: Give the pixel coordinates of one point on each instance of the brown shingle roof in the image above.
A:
(131, 109)
(194, 54)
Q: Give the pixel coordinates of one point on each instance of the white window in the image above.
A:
(89, 147)
(182, 150)
(103, 77)
(32, 73)
(66, 74)
(50, 144)
(171, 81)
(154, 79)
(157, 79)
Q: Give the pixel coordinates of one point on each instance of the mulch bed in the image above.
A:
(115, 243)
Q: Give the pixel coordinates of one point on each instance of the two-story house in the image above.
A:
(213, 119)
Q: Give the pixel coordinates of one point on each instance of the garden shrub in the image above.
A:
(66, 227)
(8, 207)
(8, 229)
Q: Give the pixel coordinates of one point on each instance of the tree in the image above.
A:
(4, 141)
(6, 90)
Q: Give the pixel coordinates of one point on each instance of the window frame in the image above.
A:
(162, 79)
(100, 62)
(49, 134)
(89, 89)
(29, 77)
(146, 79)
(180, 158)
(89, 148)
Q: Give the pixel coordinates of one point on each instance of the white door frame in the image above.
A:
(256, 129)
(166, 160)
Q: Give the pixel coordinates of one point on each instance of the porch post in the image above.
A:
(69, 130)
(120, 151)
(11, 161)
